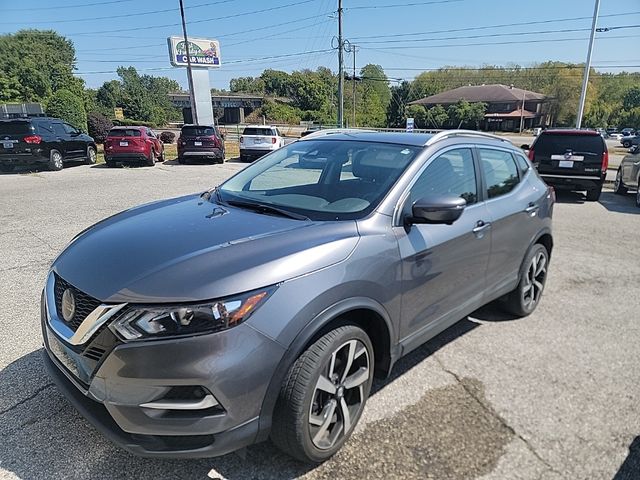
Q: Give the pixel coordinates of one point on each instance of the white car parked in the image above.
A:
(258, 140)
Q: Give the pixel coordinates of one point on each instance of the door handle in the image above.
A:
(481, 227)
(531, 208)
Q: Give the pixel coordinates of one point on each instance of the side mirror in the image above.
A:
(437, 209)
(525, 147)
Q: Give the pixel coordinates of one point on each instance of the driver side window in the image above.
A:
(451, 173)
(69, 129)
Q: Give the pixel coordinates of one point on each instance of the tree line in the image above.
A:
(38, 66)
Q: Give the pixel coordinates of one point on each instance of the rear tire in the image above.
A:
(91, 156)
(55, 161)
(533, 275)
(594, 195)
(110, 163)
(618, 186)
(182, 160)
(626, 144)
(323, 395)
(151, 161)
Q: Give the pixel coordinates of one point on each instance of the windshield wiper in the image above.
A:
(267, 209)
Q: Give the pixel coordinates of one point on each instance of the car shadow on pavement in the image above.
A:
(630, 468)
(619, 203)
(565, 196)
(44, 437)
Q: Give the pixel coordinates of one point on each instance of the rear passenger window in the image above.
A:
(58, 128)
(44, 128)
(500, 171)
(523, 164)
(451, 173)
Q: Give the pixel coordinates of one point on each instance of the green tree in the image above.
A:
(419, 115)
(437, 116)
(631, 98)
(67, 106)
(276, 82)
(396, 110)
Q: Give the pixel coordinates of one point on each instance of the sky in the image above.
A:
(404, 37)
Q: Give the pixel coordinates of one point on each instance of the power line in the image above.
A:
(519, 24)
(515, 42)
(204, 20)
(109, 17)
(59, 7)
(414, 4)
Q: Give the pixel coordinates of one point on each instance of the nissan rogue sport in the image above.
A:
(278, 295)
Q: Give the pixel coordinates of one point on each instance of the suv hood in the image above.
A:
(189, 249)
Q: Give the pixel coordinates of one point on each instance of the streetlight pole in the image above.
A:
(194, 110)
(587, 66)
(340, 69)
(354, 48)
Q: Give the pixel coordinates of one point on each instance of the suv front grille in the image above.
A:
(85, 304)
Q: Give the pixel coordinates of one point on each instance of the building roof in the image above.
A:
(514, 114)
(480, 93)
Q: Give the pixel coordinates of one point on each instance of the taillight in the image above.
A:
(605, 162)
(531, 155)
(241, 139)
(273, 140)
(32, 139)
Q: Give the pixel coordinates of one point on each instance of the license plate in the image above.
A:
(124, 144)
(197, 144)
(565, 164)
(573, 158)
(7, 144)
(257, 140)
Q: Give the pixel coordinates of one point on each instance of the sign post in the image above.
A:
(203, 55)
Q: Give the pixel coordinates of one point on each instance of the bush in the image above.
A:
(69, 107)
(167, 137)
(99, 126)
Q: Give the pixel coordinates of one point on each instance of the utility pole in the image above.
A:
(354, 48)
(192, 99)
(587, 66)
(522, 110)
(340, 68)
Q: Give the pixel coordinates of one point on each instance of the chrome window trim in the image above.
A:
(397, 211)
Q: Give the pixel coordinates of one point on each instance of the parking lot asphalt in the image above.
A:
(551, 396)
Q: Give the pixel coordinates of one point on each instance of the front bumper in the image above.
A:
(235, 366)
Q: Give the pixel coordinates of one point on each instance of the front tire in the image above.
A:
(618, 186)
(55, 161)
(323, 395)
(525, 298)
(626, 144)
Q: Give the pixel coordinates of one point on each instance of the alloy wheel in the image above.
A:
(339, 396)
(616, 184)
(56, 158)
(534, 280)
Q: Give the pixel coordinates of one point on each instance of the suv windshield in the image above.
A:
(197, 131)
(258, 131)
(549, 143)
(322, 179)
(14, 128)
(125, 132)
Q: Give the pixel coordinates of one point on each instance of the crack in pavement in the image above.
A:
(30, 397)
(25, 265)
(498, 417)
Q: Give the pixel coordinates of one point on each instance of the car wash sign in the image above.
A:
(202, 52)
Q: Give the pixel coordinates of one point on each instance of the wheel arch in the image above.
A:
(361, 311)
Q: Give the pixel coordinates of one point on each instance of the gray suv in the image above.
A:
(275, 297)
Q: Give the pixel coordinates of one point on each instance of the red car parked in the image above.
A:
(132, 144)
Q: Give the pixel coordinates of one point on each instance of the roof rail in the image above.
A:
(462, 133)
(333, 131)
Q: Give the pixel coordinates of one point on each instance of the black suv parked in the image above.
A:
(202, 142)
(571, 159)
(42, 141)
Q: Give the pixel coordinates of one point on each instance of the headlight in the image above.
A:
(150, 322)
